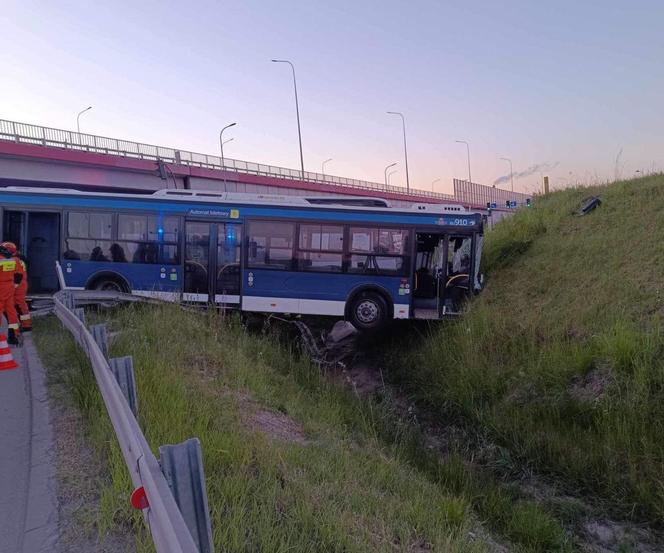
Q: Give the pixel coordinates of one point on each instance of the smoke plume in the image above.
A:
(538, 167)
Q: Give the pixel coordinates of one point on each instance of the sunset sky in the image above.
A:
(559, 87)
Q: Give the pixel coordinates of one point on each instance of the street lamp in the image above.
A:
(390, 174)
(227, 141)
(470, 179)
(78, 117)
(297, 111)
(511, 171)
(432, 183)
(386, 168)
(221, 142)
(322, 166)
(405, 149)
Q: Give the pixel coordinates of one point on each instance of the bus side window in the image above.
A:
(459, 255)
(274, 244)
(88, 236)
(320, 248)
(379, 251)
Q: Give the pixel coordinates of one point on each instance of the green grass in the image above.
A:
(362, 480)
(560, 360)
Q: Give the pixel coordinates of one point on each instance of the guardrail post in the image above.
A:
(80, 314)
(100, 335)
(69, 300)
(123, 369)
(182, 465)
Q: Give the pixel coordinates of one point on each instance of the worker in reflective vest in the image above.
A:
(21, 291)
(10, 278)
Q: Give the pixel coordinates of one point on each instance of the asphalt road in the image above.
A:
(28, 498)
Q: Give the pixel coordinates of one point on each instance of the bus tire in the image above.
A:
(368, 311)
(109, 284)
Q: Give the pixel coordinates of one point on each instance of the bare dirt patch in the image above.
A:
(272, 424)
(608, 536)
(593, 385)
(276, 426)
(79, 474)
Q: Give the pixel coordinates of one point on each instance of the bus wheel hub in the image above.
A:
(367, 311)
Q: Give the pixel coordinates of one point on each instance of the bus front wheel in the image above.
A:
(368, 311)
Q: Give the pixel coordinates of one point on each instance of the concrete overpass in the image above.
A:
(41, 156)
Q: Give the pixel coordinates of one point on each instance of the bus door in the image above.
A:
(430, 275)
(37, 235)
(458, 273)
(212, 262)
(227, 268)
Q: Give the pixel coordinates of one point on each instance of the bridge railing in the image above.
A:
(465, 192)
(479, 194)
(60, 138)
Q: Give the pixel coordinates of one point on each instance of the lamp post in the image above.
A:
(227, 141)
(221, 141)
(470, 178)
(432, 183)
(511, 171)
(322, 166)
(78, 117)
(405, 149)
(297, 111)
(390, 174)
(386, 168)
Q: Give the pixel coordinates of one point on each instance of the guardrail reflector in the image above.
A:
(139, 499)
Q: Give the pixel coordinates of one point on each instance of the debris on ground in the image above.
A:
(340, 331)
(589, 204)
(331, 349)
(592, 386)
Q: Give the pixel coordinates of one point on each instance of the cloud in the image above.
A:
(538, 167)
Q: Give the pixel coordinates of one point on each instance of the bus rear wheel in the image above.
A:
(368, 311)
(109, 285)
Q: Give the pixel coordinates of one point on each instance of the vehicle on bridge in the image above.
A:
(349, 257)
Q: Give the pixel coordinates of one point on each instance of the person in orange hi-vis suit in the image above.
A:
(21, 291)
(10, 278)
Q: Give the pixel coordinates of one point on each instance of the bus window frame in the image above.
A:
(344, 240)
(346, 253)
(247, 235)
(407, 255)
(64, 219)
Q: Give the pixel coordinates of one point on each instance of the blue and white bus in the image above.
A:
(348, 257)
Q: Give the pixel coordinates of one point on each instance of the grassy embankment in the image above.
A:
(561, 358)
(293, 461)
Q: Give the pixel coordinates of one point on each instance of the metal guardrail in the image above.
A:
(162, 515)
(59, 138)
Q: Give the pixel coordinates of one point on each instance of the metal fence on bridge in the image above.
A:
(464, 192)
(479, 194)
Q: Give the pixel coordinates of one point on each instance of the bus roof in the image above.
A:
(362, 203)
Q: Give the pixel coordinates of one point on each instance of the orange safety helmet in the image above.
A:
(10, 247)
